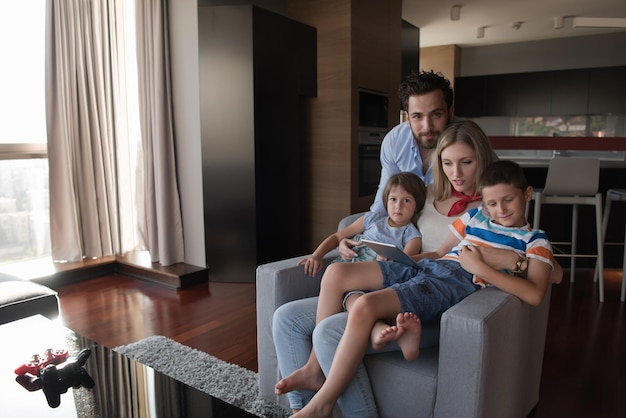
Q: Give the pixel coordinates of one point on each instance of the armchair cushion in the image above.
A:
(22, 298)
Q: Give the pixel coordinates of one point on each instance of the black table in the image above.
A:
(123, 387)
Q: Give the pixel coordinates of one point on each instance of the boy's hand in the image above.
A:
(312, 265)
(471, 259)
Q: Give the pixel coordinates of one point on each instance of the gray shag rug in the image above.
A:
(204, 373)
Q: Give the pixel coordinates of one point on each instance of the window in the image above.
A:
(24, 200)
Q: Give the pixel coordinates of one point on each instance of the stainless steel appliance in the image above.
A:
(373, 125)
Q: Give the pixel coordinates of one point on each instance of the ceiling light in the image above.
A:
(455, 12)
(480, 32)
(599, 22)
(559, 22)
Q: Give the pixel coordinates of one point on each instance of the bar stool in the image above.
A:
(617, 195)
(574, 181)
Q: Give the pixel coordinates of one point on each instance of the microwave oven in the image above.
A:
(373, 109)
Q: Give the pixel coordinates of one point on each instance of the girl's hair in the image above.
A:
(412, 184)
(503, 172)
(469, 133)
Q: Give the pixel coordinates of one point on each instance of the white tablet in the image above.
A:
(390, 251)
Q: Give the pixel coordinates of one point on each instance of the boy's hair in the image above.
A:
(469, 133)
(422, 83)
(503, 172)
(412, 184)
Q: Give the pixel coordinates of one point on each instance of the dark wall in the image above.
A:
(285, 74)
(257, 72)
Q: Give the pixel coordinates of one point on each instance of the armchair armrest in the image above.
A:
(489, 343)
(276, 284)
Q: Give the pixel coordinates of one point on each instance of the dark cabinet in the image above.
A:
(533, 93)
(607, 90)
(500, 95)
(469, 96)
(562, 92)
(569, 92)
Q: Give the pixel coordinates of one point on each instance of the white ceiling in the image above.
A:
(497, 16)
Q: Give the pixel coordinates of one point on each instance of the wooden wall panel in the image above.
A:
(358, 46)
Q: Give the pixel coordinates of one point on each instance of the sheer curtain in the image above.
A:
(102, 177)
(161, 225)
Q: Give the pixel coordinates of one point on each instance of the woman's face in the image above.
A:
(459, 164)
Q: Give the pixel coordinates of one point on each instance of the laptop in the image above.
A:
(390, 251)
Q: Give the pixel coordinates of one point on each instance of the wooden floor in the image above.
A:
(584, 372)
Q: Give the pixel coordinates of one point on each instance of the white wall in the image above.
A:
(186, 88)
(555, 54)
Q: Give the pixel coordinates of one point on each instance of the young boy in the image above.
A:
(431, 288)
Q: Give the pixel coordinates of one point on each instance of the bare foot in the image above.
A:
(303, 378)
(382, 333)
(407, 332)
(409, 340)
(315, 410)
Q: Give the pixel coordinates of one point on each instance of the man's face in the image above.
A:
(428, 117)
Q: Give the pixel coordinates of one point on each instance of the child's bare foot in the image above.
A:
(303, 378)
(409, 339)
(383, 333)
(313, 410)
(407, 332)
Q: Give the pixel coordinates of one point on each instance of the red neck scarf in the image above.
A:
(460, 205)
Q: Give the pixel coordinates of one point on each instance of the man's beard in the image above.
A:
(427, 143)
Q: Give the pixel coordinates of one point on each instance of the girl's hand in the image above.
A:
(345, 248)
(312, 265)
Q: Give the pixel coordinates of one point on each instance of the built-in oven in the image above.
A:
(373, 125)
(369, 168)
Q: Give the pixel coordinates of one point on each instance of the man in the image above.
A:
(427, 97)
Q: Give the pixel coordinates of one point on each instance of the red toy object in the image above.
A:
(39, 361)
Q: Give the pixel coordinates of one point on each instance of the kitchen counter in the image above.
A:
(536, 151)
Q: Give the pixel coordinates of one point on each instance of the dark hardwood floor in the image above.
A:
(584, 373)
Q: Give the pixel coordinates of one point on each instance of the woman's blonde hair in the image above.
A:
(469, 133)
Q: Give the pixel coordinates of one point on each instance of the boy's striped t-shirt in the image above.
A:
(476, 228)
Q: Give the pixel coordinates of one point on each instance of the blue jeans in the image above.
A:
(294, 333)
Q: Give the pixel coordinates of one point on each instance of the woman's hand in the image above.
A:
(312, 265)
(345, 248)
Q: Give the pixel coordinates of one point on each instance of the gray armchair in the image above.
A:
(487, 364)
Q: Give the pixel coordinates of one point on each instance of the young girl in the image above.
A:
(404, 197)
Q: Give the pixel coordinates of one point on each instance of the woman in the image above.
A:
(467, 153)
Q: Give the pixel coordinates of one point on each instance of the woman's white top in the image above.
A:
(432, 224)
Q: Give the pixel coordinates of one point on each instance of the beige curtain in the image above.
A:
(80, 109)
(161, 223)
(97, 187)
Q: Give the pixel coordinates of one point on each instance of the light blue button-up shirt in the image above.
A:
(399, 153)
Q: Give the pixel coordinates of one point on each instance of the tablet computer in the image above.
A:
(390, 251)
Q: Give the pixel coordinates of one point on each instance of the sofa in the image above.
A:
(22, 298)
(487, 364)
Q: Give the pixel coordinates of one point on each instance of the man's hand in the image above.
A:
(345, 248)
